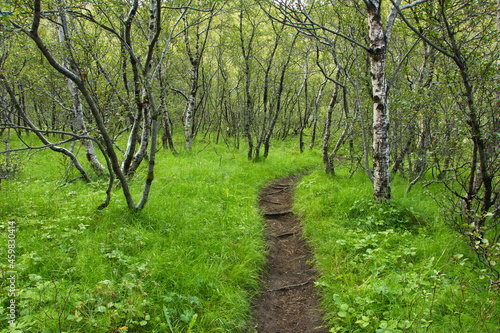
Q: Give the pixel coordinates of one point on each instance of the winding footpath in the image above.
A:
(287, 301)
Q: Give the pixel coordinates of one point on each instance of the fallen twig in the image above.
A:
(293, 286)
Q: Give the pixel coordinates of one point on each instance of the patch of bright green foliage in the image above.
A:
(189, 262)
(390, 267)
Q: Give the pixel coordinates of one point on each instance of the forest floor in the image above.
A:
(287, 301)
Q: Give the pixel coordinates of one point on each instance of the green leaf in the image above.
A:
(101, 308)
(342, 314)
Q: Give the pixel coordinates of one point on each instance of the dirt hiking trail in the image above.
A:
(287, 301)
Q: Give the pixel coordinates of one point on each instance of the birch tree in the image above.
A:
(195, 44)
(300, 15)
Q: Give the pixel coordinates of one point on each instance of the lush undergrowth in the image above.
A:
(188, 262)
(391, 267)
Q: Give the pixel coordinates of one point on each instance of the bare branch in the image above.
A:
(419, 34)
(306, 25)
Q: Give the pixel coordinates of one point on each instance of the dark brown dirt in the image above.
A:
(287, 302)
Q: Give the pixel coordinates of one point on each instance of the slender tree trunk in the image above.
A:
(134, 132)
(315, 114)
(194, 59)
(381, 152)
(246, 49)
(188, 120)
(305, 119)
(328, 163)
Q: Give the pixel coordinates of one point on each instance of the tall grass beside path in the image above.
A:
(189, 262)
(392, 267)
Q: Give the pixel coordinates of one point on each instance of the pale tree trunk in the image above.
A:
(381, 152)
(154, 33)
(191, 98)
(188, 122)
(329, 167)
(79, 125)
(146, 133)
(191, 101)
(307, 113)
(191, 104)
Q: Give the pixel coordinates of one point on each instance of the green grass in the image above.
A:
(391, 267)
(190, 261)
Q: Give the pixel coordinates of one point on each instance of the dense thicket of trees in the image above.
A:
(118, 75)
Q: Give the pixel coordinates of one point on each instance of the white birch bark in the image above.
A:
(381, 149)
(195, 54)
(191, 100)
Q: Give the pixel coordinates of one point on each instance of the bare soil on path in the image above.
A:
(287, 302)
